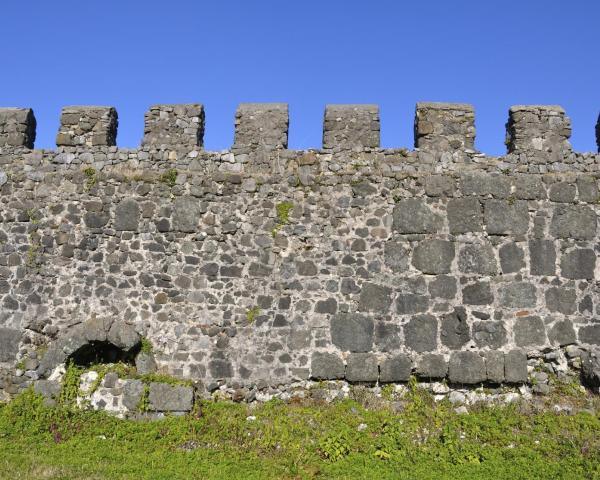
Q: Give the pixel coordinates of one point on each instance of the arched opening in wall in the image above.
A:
(95, 352)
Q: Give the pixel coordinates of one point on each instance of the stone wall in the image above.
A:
(263, 266)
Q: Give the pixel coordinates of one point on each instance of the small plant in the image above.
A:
(511, 200)
(33, 216)
(283, 210)
(169, 177)
(70, 385)
(505, 171)
(335, 446)
(144, 403)
(91, 179)
(146, 346)
(34, 250)
(252, 313)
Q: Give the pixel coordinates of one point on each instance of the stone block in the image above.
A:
(174, 125)
(444, 127)
(17, 127)
(326, 366)
(170, 398)
(186, 214)
(562, 333)
(396, 256)
(411, 303)
(433, 256)
(352, 332)
(395, 369)
(515, 367)
(127, 215)
(362, 367)
(579, 263)
(489, 333)
(443, 286)
(420, 333)
(561, 299)
(87, 125)
(590, 334)
(466, 368)
(494, 366)
(506, 217)
(590, 367)
(132, 394)
(432, 366)
(477, 258)
(464, 215)
(261, 126)
(413, 215)
(529, 331)
(478, 293)
(542, 255)
(455, 331)
(562, 192)
(538, 129)
(512, 258)
(9, 344)
(375, 298)
(573, 221)
(518, 295)
(348, 127)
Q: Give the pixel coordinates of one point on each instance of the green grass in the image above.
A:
(298, 440)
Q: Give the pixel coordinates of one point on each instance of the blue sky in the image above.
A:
(133, 53)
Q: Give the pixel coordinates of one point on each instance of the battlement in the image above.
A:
(533, 130)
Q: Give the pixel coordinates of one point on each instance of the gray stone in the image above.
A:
(145, 363)
(96, 329)
(443, 286)
(132, 394)
(396, 256)
(414, 216)
(562, 192)
(590, 368)
(562, 333)
(387, 336)
(375, 298)
(485, 184)
(432, 366)
(362, 367)
(306, 268)
(49, 389)
(515, 367)
(9, 344)
(590, 334)
(175, 124)
(517, 295)
(466, 368)
(420, 333)
(465, 215)
(455, 331)
(352, 332)
(490, 334)
(560, 299)
(444, 126)
(127, 215)
(170, 398)
(478, 293)
(573, 221)
(411, 303)
(433, 256)
(395, 369)
(578, 263)
(506, 217)
(123, 336)
(477, 258)
(328, 306)
(186, 214)
(326, 366)
(494, 366)
(261, 126)
(538, 130)
(588, 189)
(349, 127)
(512, 258)
(529, 331)
(95, 220)
(542, 255)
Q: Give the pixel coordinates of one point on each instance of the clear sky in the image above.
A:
(133, 53)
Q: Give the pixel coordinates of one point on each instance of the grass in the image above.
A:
(298, 440)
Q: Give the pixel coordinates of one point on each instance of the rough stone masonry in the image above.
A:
(262, 266)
